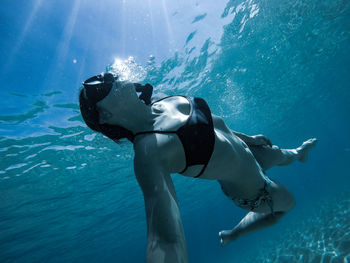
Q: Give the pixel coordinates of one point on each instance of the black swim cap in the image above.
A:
(95, 89)
(98, 87)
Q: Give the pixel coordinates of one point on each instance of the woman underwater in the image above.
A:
(178, 134)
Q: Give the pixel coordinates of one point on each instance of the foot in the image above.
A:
(304, 149)
(226, 237)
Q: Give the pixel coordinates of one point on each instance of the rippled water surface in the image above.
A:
(280, 68)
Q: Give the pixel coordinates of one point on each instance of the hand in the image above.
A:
(260, 140)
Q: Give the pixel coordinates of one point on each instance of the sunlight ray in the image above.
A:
(31, 18)
(23, 34)
(150, 11)
(122, 28)
(169, 28)
(64, 43)
(63, 47)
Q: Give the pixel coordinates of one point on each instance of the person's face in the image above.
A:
(115, 107)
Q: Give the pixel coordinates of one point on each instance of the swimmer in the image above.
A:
(179, 134)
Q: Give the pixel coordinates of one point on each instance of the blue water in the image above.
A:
(277, 67)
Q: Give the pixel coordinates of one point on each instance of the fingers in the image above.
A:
(261, 140)
(268, 142)
(265, 141)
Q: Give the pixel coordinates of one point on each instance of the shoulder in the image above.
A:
(147, 147)
(150, 165)
(159, 151)
(153, 148)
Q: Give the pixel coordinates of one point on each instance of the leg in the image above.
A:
(250, 223)
(268, 157)
(261, 216)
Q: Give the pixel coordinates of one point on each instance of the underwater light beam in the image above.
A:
(28, 25)
(152, 26)
(68, 31)
(63, 46)
(123, 28)
(170, 31)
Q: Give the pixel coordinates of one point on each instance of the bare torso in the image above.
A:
(231, 163)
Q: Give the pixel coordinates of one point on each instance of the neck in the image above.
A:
(139, 120)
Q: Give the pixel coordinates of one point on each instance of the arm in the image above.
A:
(253, 140)
(165, 236)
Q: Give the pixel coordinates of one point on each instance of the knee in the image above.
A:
(283, 199)
(276, 216)
(290, 203)
(285, 205)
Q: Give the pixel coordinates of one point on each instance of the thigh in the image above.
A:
(267, 156)
(276, 196)
(282, 199)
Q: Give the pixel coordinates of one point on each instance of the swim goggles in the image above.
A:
(99, 86)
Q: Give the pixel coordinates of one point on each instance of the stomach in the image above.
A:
(232, 163)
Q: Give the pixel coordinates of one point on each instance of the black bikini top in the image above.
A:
(196, 135)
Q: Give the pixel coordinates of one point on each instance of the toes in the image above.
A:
(312, 141)
(222, 242)
(223, 238)
(305, 148)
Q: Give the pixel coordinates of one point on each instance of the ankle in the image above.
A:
(234, 235)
